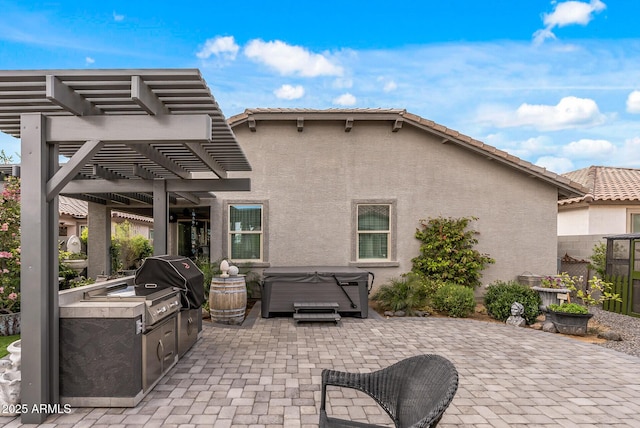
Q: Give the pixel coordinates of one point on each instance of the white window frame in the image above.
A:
(631, 212)
(391, 259)
(230, 232)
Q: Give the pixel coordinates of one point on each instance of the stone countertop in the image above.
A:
(97, 309)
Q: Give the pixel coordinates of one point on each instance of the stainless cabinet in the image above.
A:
(159, 351)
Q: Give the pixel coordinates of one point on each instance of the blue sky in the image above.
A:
(556, 83)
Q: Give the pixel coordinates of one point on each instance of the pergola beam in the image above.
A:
(201, 153)
(160, 159)
(61, 95)
(189, 197)
(142, 95)
(72, 167)
(146, 186)
(130, 128)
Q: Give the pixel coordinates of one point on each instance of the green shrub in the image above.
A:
(569, 308)
(454, 299)
(501, 295)
(447, 253)
(407, 294)
(599, 259)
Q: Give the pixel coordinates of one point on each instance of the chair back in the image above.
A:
(429, 383)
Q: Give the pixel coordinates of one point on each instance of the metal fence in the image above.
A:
(576, 267)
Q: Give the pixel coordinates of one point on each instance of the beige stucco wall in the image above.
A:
(310, 179)
(593, 220)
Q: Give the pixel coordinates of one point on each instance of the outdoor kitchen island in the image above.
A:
(117, 341)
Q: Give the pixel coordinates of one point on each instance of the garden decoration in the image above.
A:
(554, 290)
(516, 319)
(572, 318)
(10, 379)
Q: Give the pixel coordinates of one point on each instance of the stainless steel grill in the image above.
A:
(160, 303)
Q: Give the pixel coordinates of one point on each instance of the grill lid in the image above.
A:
(169, 271)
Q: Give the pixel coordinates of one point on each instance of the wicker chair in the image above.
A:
(415, 392)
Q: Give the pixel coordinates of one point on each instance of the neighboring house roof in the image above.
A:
(72, 207)
(606, 183)
(79, 209)
(129, 216)
(566, 187)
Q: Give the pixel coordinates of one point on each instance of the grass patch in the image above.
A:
(6, 341)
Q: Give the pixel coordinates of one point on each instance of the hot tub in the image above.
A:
(282, 287)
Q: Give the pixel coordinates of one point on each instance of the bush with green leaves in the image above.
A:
(447, 253)
(568, 308)
(599, 258)
(407, 293)
(501, 295)
(127, 249)
(456, 300)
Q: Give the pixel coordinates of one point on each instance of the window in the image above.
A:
(634, 220)
(635, 223)
(245, 232)
(374, 231)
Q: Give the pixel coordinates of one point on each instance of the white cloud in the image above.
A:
(555, 164)
(629, 153)
(586, 148)
(390, 86)
(342, 83)
(633, 102)
(570, 112)
(288, 92)
(345, 100)
(224, 47)
(291, 60)
(88, 60)
(567, 13)
(117, 17)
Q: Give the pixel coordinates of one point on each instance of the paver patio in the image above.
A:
(268, 375)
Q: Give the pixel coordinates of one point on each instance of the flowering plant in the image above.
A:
(10, 246)
(596, 292)
(562, 281)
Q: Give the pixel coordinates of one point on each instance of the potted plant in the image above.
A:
(554, 289)
(75, 261)
(572, 318)
(10, 257)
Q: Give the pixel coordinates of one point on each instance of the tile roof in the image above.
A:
(73, 207)
(606, 183)
(566, 186)
(77, 208)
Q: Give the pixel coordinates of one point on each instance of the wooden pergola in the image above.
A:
(136, 139)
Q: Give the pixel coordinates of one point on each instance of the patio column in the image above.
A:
(39, 271)
(99, 240)
(160, 217)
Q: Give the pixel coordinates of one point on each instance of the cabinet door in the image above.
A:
(160, 351)
(169, 343)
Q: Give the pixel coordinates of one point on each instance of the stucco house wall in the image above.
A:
(610, 207)
(309, 180)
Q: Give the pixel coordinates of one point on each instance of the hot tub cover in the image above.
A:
(173, 271)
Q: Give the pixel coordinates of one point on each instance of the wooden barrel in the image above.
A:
(228, 300)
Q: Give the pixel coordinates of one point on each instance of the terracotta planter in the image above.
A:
(550, 296)
(10, 324)
(567, 323)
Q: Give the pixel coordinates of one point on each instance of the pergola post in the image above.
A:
(100, 242)
(39, 272)
(160, 217)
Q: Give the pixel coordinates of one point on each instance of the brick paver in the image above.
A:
(268, 375)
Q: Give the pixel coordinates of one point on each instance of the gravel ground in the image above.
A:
(628, 327)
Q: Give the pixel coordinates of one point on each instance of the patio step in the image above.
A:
(316, 311)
